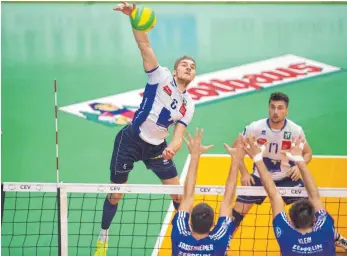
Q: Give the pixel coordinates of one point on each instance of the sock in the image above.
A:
(238, 217)
(108, 213)
(103, 237)
(336, 235)
(176, 205)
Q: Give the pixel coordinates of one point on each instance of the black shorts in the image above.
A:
(130, 148)
(287, 182)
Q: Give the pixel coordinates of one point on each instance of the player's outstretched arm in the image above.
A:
(246, 178)
(180, 129)
(237, 153)
(149, 59)
(195, 149)
(295, 155)
(255, 152)
(176, 141)
(307, 153)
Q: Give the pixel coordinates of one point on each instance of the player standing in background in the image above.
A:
(165, 103)
(277, 133)
(193, 236)
(310, 229)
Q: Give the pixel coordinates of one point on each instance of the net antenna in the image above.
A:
(61, 195)
(56, 131)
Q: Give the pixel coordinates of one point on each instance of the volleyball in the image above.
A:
(143, 19)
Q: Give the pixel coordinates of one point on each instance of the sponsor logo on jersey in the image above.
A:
(286, 144)
(261, 141)
(167, 89)
(287, 135)
(226, 83)
(183, 110)
(278, 232)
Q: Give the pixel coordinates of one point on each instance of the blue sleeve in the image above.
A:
(282, 229)
(180, 225)
(221, 234)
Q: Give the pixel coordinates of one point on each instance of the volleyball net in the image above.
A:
(65, 218)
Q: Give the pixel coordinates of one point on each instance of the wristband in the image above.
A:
(296, 158)
(301, 145)
(258, 157)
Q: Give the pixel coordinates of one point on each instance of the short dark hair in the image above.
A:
(302, 214)
(202, 218)
(277, 96)
(185, 57)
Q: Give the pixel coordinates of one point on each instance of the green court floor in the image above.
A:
(90, 50)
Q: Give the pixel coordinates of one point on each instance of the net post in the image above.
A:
(62, 221)
(2, 201)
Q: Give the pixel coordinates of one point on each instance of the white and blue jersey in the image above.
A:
(163, 105)
(276, 140)
(184, 244)
(319, 242)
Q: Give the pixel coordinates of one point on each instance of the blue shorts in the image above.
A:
(287, 182)
(130, 148)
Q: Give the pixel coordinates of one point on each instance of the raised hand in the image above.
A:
(251, 146)
(194, 143)
(125, 8)
(238, 151)
(293, 173)
(297, 146)
(295, 152)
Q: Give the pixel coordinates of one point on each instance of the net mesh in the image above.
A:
(29, 224)
(142, 223)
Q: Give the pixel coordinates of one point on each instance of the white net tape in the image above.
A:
(161, 189)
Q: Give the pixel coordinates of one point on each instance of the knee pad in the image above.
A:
(237, 218)
(114, 198)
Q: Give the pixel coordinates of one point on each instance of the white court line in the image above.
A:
(328, 156)
(314, 156)
(168, 215)
(182, 179)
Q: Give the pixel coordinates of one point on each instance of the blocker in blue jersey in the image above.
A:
(191, 228)
(310, 229)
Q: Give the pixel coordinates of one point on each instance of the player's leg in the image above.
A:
(339, 239)
(241, 209)
(168, 175)
(245, 203)
(125, 153)
(164, 169)
(176, 199)
(108, 212)
(288, 182)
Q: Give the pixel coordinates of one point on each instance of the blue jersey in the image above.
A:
(319, 242)
(184, 244)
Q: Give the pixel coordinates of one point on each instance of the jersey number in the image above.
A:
(174, 104)
(273, 148)
(164, 119)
